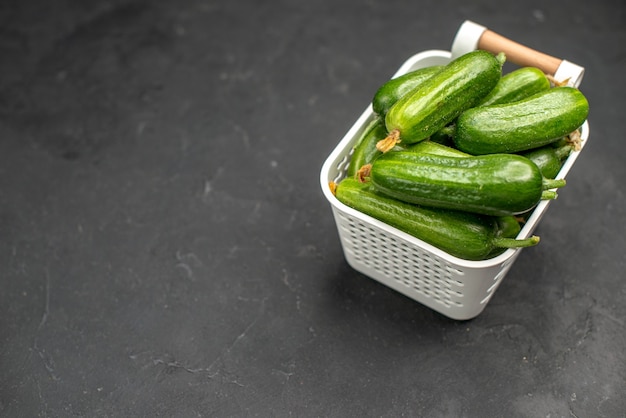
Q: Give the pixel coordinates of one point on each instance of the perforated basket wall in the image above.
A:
(457, 288)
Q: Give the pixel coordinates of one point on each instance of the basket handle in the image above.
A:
(472, 36)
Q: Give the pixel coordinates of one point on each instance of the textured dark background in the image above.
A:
(165, 248)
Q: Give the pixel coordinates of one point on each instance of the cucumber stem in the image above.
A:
(557, 83)
(575, 139)
(549, 195)
(362, 175)
(387, 144)
(553, 183)
(564, 151)
(448, 130)
(501, 242)
(333, 187)
(501, 58)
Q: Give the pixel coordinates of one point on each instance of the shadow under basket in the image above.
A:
(457, 288)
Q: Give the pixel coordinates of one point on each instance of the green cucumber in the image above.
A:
(508, 224)
(519, 126)
(517, 85)
(496, 184)
(365, 150)
(465, 235)
(394, 89)
(549, 159)
(460, 85)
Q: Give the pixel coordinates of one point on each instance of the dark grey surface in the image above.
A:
(166, 249)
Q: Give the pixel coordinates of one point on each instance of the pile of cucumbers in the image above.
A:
(460, 154)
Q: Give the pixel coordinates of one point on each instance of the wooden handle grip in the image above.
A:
(518, 53)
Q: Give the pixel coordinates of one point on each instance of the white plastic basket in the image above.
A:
(459, 289)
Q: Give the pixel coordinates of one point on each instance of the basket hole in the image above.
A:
(492, 287)
(506, 263)
(455, 271)
(500, 275)
(343, 164)
(457, 283)
(486, 299)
